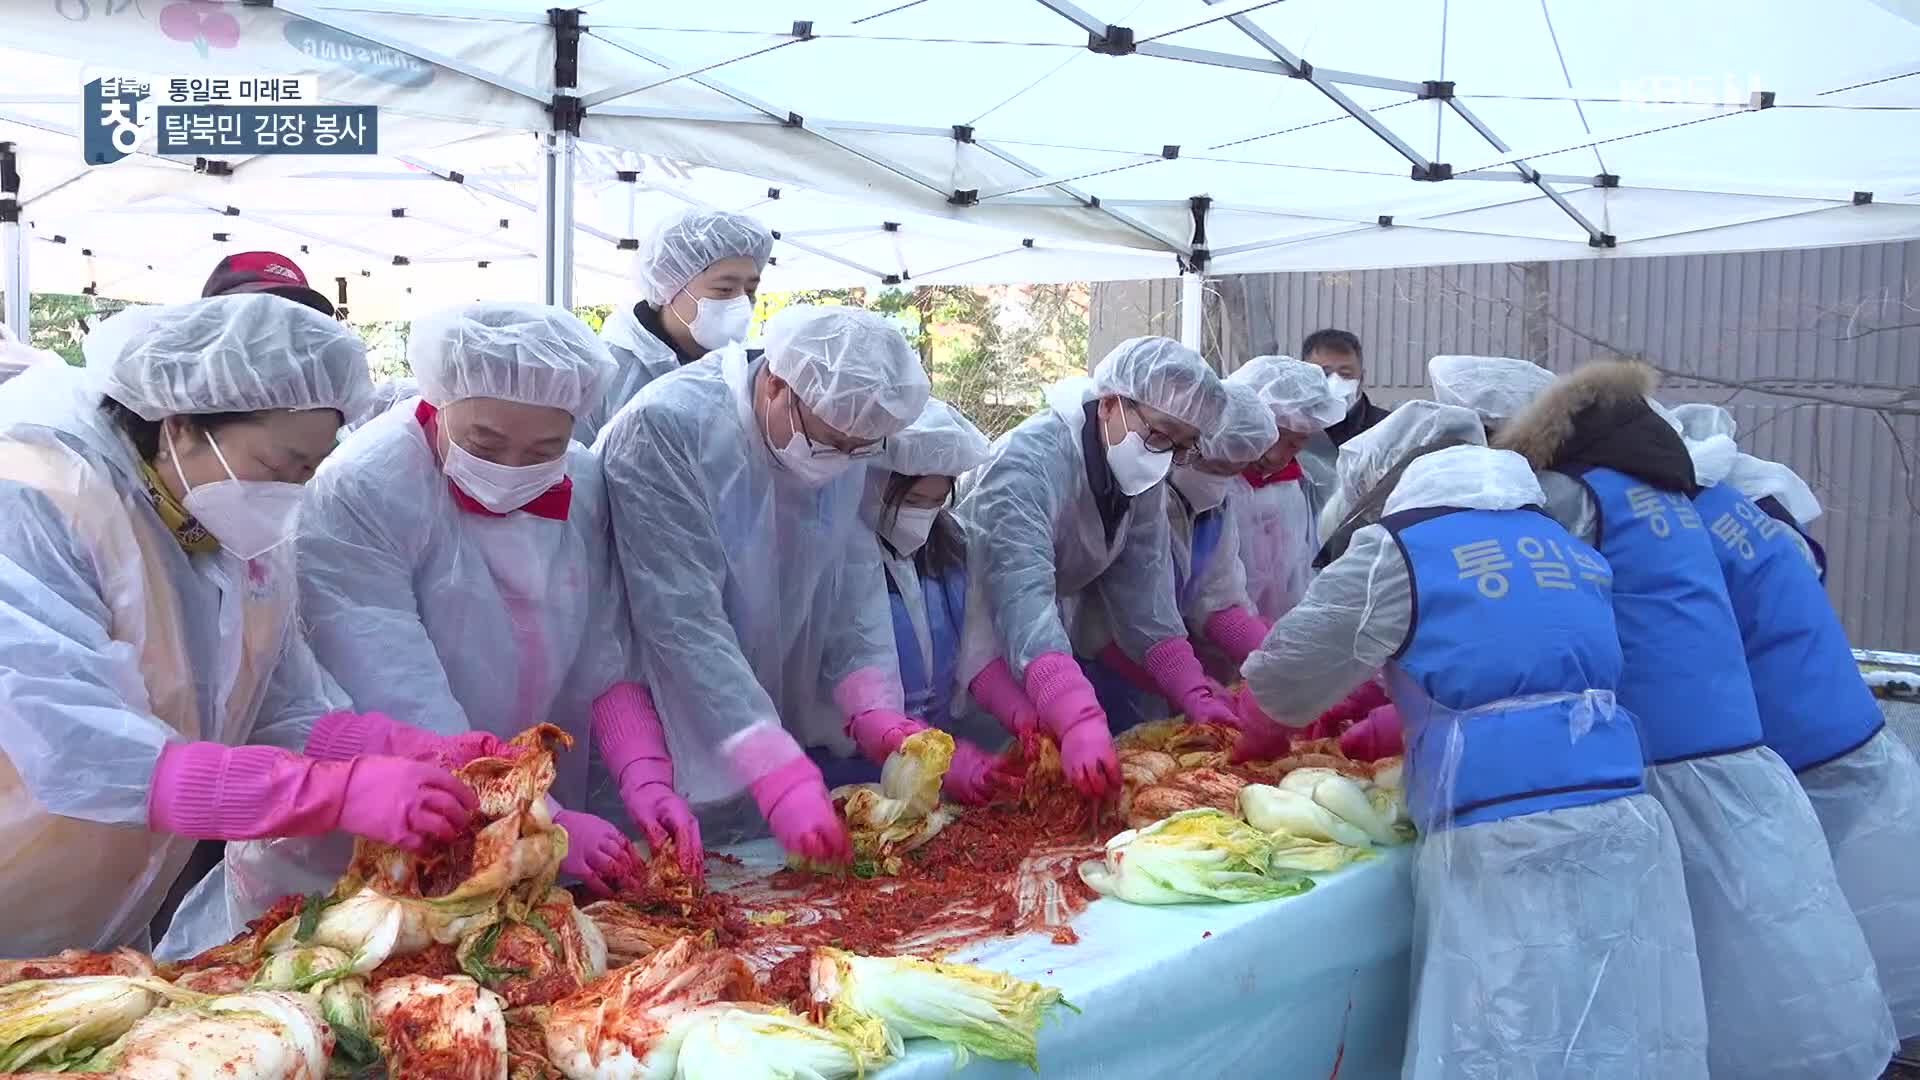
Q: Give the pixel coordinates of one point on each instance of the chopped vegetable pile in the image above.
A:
(473, 964)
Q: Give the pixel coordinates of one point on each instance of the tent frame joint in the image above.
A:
(1433, 171)
(1440, 89)
(567, 113)
(1111, 41)
(1198, 253)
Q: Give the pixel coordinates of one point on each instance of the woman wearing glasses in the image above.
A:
(1071, 510)
(756, 593)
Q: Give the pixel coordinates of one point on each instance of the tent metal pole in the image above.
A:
(558, 153)
(1192, 308)
(13, 246)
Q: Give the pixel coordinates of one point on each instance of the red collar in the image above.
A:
(553, 503)
(1290, 471)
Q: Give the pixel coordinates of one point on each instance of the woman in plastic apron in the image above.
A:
(156, 688)
(923, 551)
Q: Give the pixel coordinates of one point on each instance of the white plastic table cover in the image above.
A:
(1284, 988)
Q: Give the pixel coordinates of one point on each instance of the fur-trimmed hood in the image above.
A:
(1599, 416)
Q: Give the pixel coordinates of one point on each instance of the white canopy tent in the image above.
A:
(934, 139)
(452, 212)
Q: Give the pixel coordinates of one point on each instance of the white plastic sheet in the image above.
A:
(1285, 988)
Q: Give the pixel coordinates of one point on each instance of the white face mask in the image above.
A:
(1203, 489)
(810, 468)
(501, 488)
(719, 323)
(1344, 388)
(248, 517)
(800, 459)
(910, 528)
(1135, 467)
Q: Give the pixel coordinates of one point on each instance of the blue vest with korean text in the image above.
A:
(1814, 706)
(1685, 678)
(1512, 631)
(930, 693)
(1814, 552)
(1206, 541)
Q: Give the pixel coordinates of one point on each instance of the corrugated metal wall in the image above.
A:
(1767, 334)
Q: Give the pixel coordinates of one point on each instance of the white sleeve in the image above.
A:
(1355, 616)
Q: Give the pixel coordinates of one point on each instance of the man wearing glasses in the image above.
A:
(1071, 510)
(759, 611)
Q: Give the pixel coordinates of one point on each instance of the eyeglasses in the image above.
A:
(820, 447)
(1184, 453)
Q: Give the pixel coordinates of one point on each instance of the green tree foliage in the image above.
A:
(60, 320)
(988, 351)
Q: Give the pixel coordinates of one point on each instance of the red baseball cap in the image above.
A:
(268, 272)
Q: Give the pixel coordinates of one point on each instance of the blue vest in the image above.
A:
(1814, 706)
(930, 693)
(1779, 513)
(1511, 621)
(1206, 541)
(1685, 678)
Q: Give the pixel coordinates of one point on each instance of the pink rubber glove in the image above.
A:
(1360, 701)
(627, 732)
(1262, 738)
(598, 853)
(976, 777)
(996, 692)
(879, 732)
(794, 800)
(1183, 683)
(210, 791)
(1236, 632)
(339, 736)
(1378, 736)
(1071, 713)
(1117, 661)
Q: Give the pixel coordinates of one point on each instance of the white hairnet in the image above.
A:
(1246, 429)
(1496, 387)
(850, 367)
(942, 442)
(241, 353)
(1712, 456)
(1474, 477)
(1295, 390)
(1367, 458)
(683, 245)
(533, 354)
(1702, 421)
(1163, 374)
(1757, 478)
